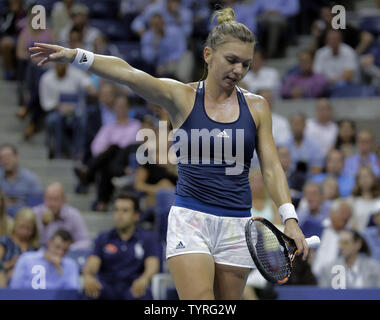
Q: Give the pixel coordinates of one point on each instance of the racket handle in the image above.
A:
(313, 241)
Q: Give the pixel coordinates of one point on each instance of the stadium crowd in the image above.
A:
(333, 169)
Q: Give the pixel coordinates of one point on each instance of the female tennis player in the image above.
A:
(206, 248)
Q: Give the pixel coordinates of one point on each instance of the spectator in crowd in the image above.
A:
(79, 19)
(61, 95)
(29, 73)
(56, 214)
(296, 179)
(372, 233)
(370, 65)
(359, 40)
(361, 271)
(107, 144)
(164, 56)
(346, 139)
(328, 249)
(244, 13)
(330, 189)
(304, 83)
(155, 176)
(317, 208)
(16, 183)
(98, 115)
(305, 153)
(9, 31)
(171, 11)
(262, 204)
(280, 124)
(274, 18)
(364, 196)
(47, 268)
(260, 76)
(24, 237)
(337, 61)
(322, 129)
(6, 222)
(334, 168)
(61, 15)
(124, 259)
(365, 156)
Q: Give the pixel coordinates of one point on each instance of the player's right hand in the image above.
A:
(92, 286)
(51, 53)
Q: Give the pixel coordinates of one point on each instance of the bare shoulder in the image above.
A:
(257, 105)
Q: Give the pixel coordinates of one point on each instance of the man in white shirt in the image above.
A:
(321, 129)
(280, 124)
(63, 82)
(328, 250)
(261, 76)
(337, 61)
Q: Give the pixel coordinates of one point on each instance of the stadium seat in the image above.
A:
(163, 287)
(114, 30)
(370, 24)
(80, 257)
(47, 4)
(353, 90)
(130, 51)
(102, 9)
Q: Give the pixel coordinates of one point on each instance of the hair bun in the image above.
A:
(225, 15)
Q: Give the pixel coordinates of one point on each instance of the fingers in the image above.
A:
(302, 247)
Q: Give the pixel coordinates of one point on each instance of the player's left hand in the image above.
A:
(292, 230)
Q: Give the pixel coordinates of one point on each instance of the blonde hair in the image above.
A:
(30, 216)
(228, 27)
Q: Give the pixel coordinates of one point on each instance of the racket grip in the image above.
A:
(313, 241)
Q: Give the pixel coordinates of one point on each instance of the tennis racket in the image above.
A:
(272, 251)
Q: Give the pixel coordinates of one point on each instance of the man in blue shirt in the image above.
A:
(372, 234)
(173, 12)
(124, 259)
(163, 55)
(364, 157)
(16, 183)
(334, 167)
(302, 149)
(47, 269)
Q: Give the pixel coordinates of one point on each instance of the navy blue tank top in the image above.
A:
(214, 160)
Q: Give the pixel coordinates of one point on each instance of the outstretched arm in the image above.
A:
(160, 91)
(273, 174)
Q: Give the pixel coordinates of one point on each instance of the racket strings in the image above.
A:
(269, 251)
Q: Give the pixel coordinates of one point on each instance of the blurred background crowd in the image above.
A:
(90, 125)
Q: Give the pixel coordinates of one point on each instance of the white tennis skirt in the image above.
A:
(191, 231)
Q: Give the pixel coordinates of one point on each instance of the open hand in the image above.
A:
(51, 53)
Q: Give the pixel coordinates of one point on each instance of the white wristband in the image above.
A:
(83, 59)
(287, 211)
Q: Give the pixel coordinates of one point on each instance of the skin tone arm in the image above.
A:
(139, 286)
(273, 174)
(170, 94)
(92, 286)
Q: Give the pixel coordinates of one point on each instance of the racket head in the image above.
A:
(269, 249)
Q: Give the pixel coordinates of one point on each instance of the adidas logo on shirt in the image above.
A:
(83, 59)
(180, 245)
(223, 134)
